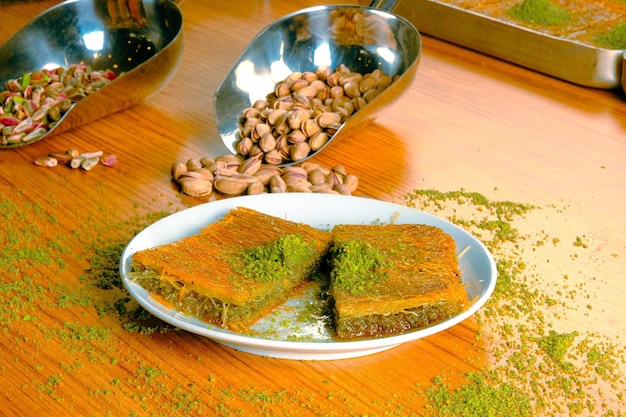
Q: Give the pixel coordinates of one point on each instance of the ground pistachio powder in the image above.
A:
(537, 365)
(534, 369)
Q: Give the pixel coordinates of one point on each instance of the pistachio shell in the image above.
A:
(298, 84)
(310, 77)
(250, 166)
(193, 163)
(206, 162)
(297, 117)
(231, 161)
(328, 119)
(317, 141)
(277, 185)
(243, 146)
(310, 127)
(267, 142)
(316, 176)
(309, 166)
(352, 182)
(322, 187)
(266, 172)
(233, 185)
(300, 151)
(273, 157)
(276, 116)
(204, 173)
(296, 136)
(295, 172)
(178, 168)
(255, 188)
(297, 183)
(342, 189)
(260, 130)
(195, 187)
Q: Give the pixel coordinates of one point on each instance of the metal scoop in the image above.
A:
(324, 35)
(139, 39)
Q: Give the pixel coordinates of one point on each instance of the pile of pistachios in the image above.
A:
(31, 105)
(232, 175)
(304, 111)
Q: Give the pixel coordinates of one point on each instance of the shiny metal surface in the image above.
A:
(561, 58)
(142, 41)
(304, 40)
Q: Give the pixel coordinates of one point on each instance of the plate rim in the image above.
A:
(284, 348)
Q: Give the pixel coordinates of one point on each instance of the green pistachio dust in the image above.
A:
(542, 12)
(356, 266)
(273, 261)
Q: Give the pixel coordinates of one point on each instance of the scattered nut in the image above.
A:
(75, 159)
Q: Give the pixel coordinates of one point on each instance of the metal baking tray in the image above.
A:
(561, 58)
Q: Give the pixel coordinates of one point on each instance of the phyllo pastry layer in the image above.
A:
(389, 279)
(235, 270)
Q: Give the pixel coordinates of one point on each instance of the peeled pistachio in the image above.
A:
(46, 161)
(89, 163)
(76, 162)
(61, 157)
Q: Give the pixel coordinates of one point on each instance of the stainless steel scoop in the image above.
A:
(140, 39)
(306, 39)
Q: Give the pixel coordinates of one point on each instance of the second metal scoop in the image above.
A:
(141, 39)
(313, 37)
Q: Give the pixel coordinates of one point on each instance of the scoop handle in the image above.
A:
(386, 5)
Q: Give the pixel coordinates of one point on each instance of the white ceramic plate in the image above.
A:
(322, 211)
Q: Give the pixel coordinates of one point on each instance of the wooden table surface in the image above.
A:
(536, 158)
